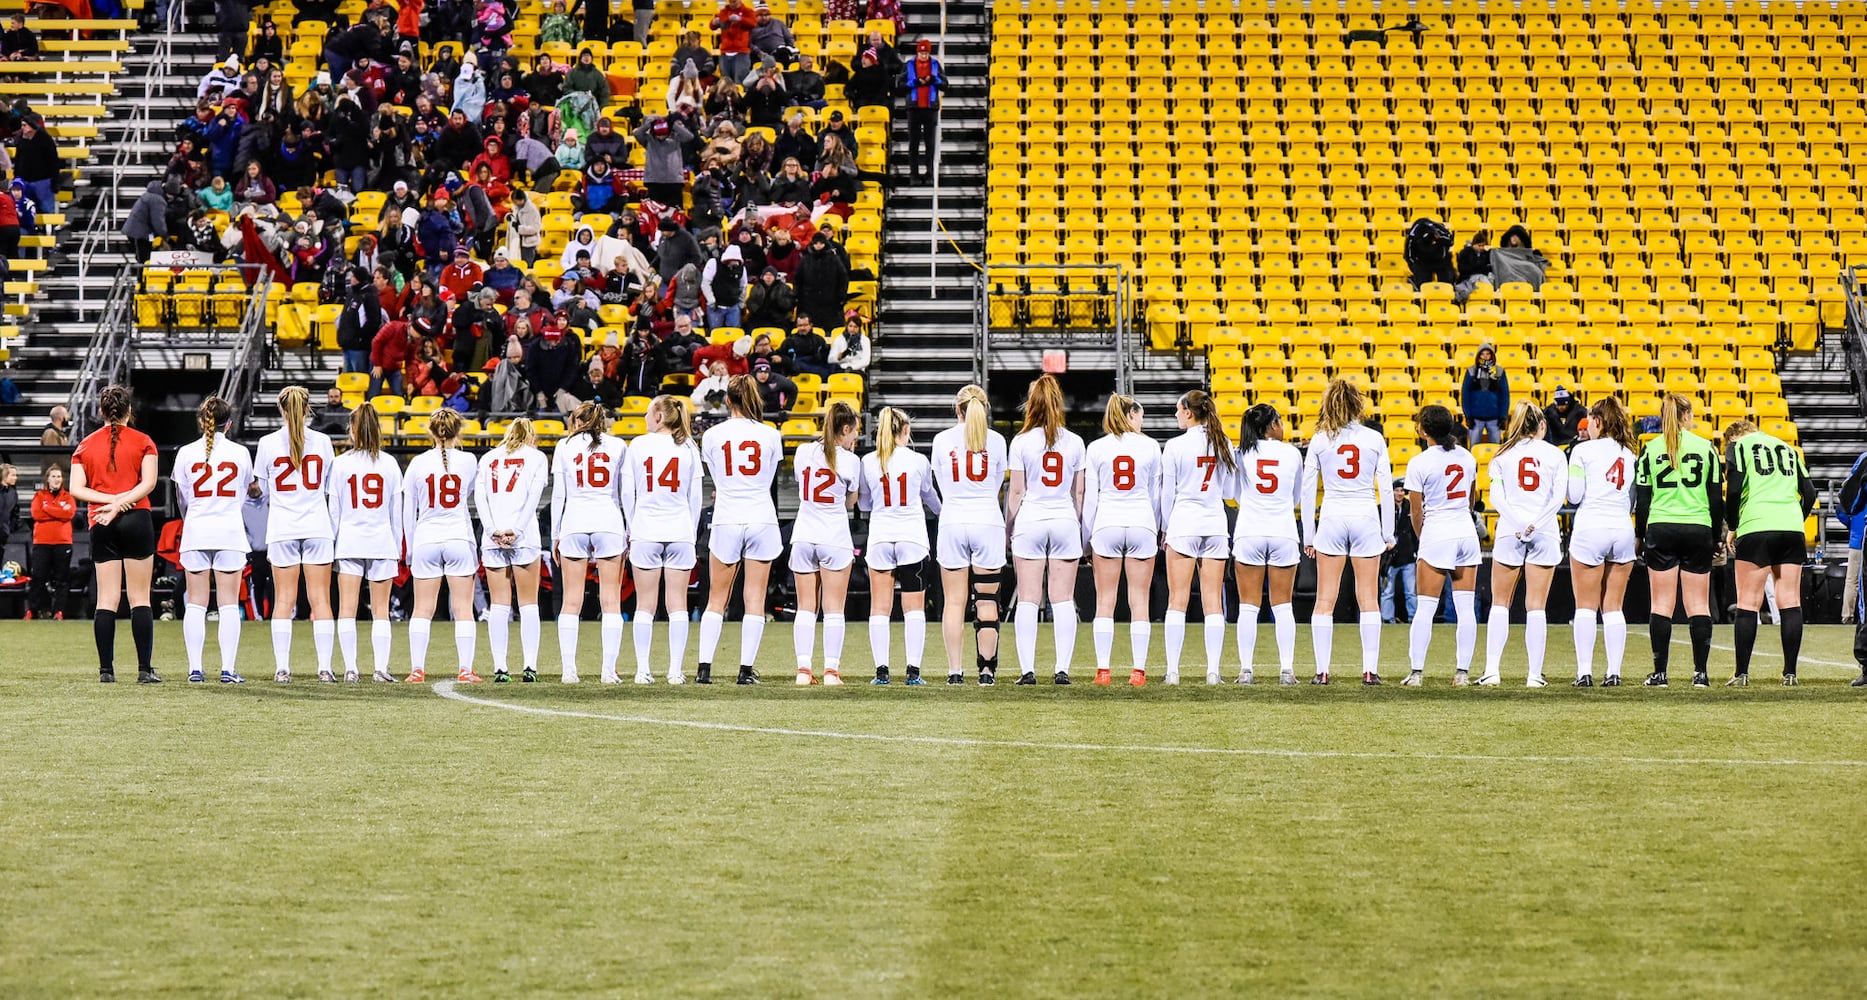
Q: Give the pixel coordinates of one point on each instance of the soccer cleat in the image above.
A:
(610, 677)
(804, 678)
(1584, 681)
(1537, 681)
(1137, 678)
(384, 677)
(1322, 677)
(1414, 679)
(747, 676)
(881, 676)
(231, 677)
(350, 677)
(832, 679)
(1738, 681)
(1460, 678)
(1370, 679)
(954, 680)
(282, 676)
(1611, 681)
(197, 677)
(1247, 677)
(704, 675)
(1489, 681)
(1656, 679)
(1027, 679)
(569, 677)
(1212, 677)
(147, 677)
(530, 676)
(416, 677)
(1286, 677)
(644, 677)
(1701, 679)
(467, 677)
(914, 678)
(1171, 677)
(1102, 676)
(1789, 680)
(676, 677)
(1062, 677)
(501, 677)
(988, 678)
(1859, 682)
(326, 677)
(110, 676)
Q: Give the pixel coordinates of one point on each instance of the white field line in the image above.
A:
(1775, 652)
(446, 690)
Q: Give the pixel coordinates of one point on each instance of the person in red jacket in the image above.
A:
(52, 511)
(724, 353)
(734, 23)
(390, 352)
(459, 277)
(9, 226)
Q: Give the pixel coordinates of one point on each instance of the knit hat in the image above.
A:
(660, 128)
(761, 365)
(1562, 395)
(924, 46)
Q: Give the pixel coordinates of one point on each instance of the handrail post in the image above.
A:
(933, 214)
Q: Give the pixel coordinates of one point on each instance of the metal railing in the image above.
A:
(1854, 332)
(107, 360)
(241, 382)
(933, 214)
(1084, 306)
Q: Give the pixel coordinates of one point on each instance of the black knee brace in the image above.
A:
(912, 577)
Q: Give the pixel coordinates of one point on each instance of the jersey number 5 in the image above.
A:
(1267, 476)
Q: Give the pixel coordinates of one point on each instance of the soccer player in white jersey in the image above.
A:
(1442, 483)
(1121, 521)
(1349, 460)
(1044, 507)
(897, 490)
(1529, 483)
(1197, 475)
(661, 497)
(211, 478)
(366, 515)
(969, 468)
(743, 455)
(1601, 540)
(587, 526)
(506, 491)
(1265, 546)
(290, 468)
(440, 544)
(828, 483)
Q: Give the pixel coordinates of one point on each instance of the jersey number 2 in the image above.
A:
(203, 472)
(819, 491)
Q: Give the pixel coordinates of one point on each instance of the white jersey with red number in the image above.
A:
(1529, 482)
(1601, 483)
(295, 494)
(587, 485)
(212, 492)
(899, 498)
(1270, 479)
(506, 491)
(823, 492)
(366, 505)
(970, 482)
(1193, 486)
(661, 494)
(1049, 474)
(1353, 468)
(742, 459)
(1122, 487)
(1445, 481)
(434, 498)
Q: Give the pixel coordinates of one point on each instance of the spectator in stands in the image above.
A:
(771, 38)
(524, 227)
(687, 89)
(553, 365)
(1399, 581)
(777, 391)
(457, 143)
(598, 386)
(502, 277)
(677, 249)
(439, 232)
(1563, 417)
(926, 82)
(664, 170)
(57, 434)
(838, 132)
(360, 321)
(147, 222)
(1485, 396)
(709, 394)
(427, 370)
(640, 368)
(833, 189)
(684, 297)
(461, 275)
(35, 163)
(217, 196)
(600, 188)
(221, 80)
(18, 41)
(791, 187)
(607, 144)
(807, 353)
(887, 10)
(692, 50)
(9, 224)
(785, 255)
(333, 416)
(822, 283)
(869, 83)
(1516, 260)
(1475, 258)
(849, 349)
(588, 77)
(805, 84)
(723, 285)
(795, 143)
(343, 48)
(769, 303)
(52, 511)
(735, 22)
(679, 348)
(570, 154)
(1428, 250)
(477, 326)
(255, 187)
(507, 390)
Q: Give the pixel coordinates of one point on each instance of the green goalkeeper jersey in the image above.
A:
(1689, 491)
(1769, 487)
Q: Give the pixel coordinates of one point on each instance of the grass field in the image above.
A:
(342, 841)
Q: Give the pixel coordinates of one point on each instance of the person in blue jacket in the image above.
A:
(926, 81)
(1857, 527)
(1485, 396)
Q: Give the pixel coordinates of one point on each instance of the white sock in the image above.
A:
(1140, 636)
(878, 639)
(379, 643)
(833, 626)
(1064, 615)
(1614, 639)
(1024, 630)
(1497, 636)
(347, 642)
(1215, 642)
(913, 637)
(1370, 642)
(418, 643)
(1465, 634)
(229, 637)
(644, 642)
(1284, 618)
(710, 626)
(1102, 630)
(498, 634)
(612, 641)
(751, 634)
(1322, 640)
(1175, 627)
(323, 633)
(567, 643)
(466, 636)
(1536, 638)
(530, 630)
(1584, 628)
(804, 638)
(1420, 631)
(677, 641)
(281, 644)
(1247, 638)
(194, 634)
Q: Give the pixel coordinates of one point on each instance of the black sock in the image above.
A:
(104, 628)
(1746, 630)
(143, 633)
(1792, 638)
(1660, 629)
(1700, 629)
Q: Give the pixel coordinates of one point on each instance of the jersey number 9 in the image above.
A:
(1053, 470)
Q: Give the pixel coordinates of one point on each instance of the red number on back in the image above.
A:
(204, 472)
(1267, 476)
(1617, 474)
(976, 475)
(670, 477)
(1123, 467)
(819, 492)
(1053, 470)
(592, 469)
(444, 491)
(751, 458)
(310, 473)
(1455, 482)
(900, 498)
(1351, 461)
(366, 491)
(512, 481)
(1528, 476)
(1206, 463)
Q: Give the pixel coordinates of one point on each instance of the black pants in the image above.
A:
(921, 131)
(144, 247)
(9, 241)
(51, 580)
(1429, 271)
(667, 194)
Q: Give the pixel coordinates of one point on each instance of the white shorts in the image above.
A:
(1594, 544)
(1048, 540)
(1267, 550)
(734, 543)
(978, 546)
(1450, 549)
(1359, 537)
(302, 551)
(1544, 548)
(661, 555)
(1200, 546)
(494, 557)
(886, 557)
(591, 545)
(809, 557)
(1125, 543)
(376, 570)
(453, 557)
(218, 560)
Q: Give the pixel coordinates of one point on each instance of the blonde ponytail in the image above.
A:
(519, 434)
(444, 430)
(891, 432)
(1123, 416)
(366, 430)
(295, 410)
(1674, 409)
(976, 413)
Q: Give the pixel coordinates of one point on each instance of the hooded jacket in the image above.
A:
(589, 79)
(724, 281)
(662, 163)
(470, 92)
(585, 239)
(148, 217)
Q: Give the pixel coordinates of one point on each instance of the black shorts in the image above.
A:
(1772, 548)
(1687, 547)
(132, 535)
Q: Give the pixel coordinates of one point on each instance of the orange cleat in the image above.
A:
(1102, 676)
(804, 679)
(832, 678)
(416, 677)
(467, 677)
(1137, 678)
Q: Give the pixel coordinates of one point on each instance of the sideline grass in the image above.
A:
(346, 841)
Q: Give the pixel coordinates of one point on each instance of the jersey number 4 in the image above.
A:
(1617, 474)
(203, 472)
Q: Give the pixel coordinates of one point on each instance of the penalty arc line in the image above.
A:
(446, 690)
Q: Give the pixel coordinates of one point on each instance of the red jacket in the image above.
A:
(460, 278)
(391, 348)
(9, 210)
(51, 517)
(735, 27)
(705, 356)
(408, 19)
